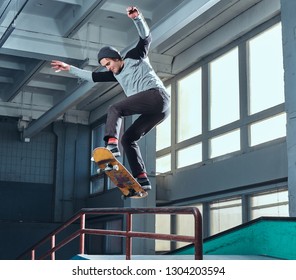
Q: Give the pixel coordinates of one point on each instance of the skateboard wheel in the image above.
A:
(115, 167)
(100, 171)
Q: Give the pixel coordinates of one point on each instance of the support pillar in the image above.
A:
(288, 11)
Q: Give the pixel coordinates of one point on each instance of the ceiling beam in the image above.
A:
(12, 65)
(183, 15)
(21, 80)
(72, 2)
(74, 18)
(51, 115)
(42, 46)
(47, 85)
(248, 20)
(6, 80)
(8, 11)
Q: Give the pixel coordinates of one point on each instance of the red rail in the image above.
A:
(128, 233)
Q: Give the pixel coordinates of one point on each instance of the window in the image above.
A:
(224, 144)
(185, 225)
(189, 107)
(189, 155)
(227, 104)
(163, 140)
(163, 164)
(224, 89)
(163, 131)
(182, 224)
(225, 215)
(273, 203)
(162, 225)
(268, 129)
(266, 75)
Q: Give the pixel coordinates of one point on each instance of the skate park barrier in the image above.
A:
(49, 245)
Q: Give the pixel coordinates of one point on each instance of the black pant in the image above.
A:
(153, 107)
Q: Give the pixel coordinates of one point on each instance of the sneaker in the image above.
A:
(145, 183)
(113, 148)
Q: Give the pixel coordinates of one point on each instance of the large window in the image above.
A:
(163, 164)
(189, 106)
(163, 131)
(182, 224)
(224, 144)
(185, 225)
(264, 130)
(225, 215)
(163, 226)
(224, 89)
(273, 203)
(189, 155)
(266, 75)
(163, 141)
(230, 103)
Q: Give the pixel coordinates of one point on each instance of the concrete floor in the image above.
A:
(171, 257)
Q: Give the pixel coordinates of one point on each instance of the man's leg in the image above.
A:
(134, 133)
(153, 106)
(147, 102)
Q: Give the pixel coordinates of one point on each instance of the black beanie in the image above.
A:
(108, 52)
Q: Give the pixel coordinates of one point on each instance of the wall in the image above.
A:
(18, 237)
(44, 181)
(72, 169)
(26, 174)
(267, 164)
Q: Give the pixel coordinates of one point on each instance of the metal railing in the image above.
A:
(128, 234)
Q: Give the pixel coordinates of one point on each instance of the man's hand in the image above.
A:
(59, 66)
(132, 12)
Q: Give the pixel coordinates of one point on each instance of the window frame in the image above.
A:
(244, 121)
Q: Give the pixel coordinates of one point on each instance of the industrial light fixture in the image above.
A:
(6, 34)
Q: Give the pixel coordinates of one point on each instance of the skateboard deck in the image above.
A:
(117, 173)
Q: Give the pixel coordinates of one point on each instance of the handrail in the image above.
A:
(128, 233)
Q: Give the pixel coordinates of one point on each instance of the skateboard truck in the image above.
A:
(109, 167)
(132, 194)
(118, 174)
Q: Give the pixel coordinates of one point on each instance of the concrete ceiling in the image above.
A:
(33, 32)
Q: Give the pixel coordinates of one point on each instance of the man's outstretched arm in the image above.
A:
(139, 21)
(80, 73)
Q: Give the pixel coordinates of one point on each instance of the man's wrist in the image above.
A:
(138, 17)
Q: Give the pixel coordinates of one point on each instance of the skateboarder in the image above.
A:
(146, 95)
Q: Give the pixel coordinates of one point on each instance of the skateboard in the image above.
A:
(118, 174)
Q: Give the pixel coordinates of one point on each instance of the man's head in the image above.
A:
(108, 52)
(110, 58)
